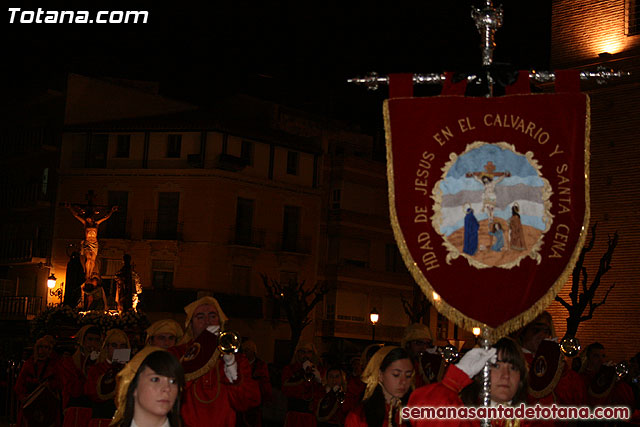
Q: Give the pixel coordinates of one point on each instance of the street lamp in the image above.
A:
(374, 316)
(51, 281)
(51, 284)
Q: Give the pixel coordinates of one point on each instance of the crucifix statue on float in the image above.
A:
(91, 216)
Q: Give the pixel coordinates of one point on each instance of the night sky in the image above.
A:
(298, 53)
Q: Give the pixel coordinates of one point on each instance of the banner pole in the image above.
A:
(485, 394)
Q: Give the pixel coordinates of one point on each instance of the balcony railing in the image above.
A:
(293, 243)
(20, 307)
(23, 195)
(251, 237)
(23, 250)
(154, 230)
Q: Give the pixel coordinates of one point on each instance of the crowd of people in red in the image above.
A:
(186, 378)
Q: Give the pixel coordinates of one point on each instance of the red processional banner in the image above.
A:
(489, 200)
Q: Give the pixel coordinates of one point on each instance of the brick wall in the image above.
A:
(581, 30)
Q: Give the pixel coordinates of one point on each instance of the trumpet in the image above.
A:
(340, 396)
(229, 342)
(622, 369)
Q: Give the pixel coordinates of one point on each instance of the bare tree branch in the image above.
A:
(293, 298)
(580, 277)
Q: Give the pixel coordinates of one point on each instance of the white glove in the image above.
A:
(317, 374)
(336, 388)
(213, 329)
(230, 367)
(475, 359)
(306, 364)
(94, 355)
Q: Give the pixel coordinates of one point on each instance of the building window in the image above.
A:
(287, 277)
(168, 209)
(174, 146)
(45, 180)
(292, 162)
(443, 327)
(244, 222)
(97, 152)
(330, 311)
(162, 274)
(246, 152)
(336, 195)
(393, 259)
(632, 15)
(117, 224)
(241, 279)
(290, 228)
(123, 146)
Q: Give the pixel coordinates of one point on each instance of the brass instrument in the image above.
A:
(229, 342)
(622, 369)
(340, 396)
(450, 353)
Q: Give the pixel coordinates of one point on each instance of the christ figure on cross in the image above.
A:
(489, 178)
(88, 215)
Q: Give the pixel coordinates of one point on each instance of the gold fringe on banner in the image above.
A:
(456, 316)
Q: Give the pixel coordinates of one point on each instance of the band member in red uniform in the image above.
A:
(417, 341)
(355, 385)
(603, 386)
(101, 378)
(389, 376)
(216, 387)
(461, 384)
(332, 408)
(74, 369)
(164, 333)
(570, 388)
(38, 370)
(302, 384)
(260, 373)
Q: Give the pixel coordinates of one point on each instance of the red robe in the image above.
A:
(76, 405)
(300, 396)
(30, 377)
(446, 393)
(334, 411)
(100, 387)
(570, 390)
(355, 388)
(253, 417)
(212, 399)
(356, 418)
(621, 393)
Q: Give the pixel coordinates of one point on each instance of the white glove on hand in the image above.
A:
(306, 364)
(214, 329)
(336, 388)
(475, 359)
(230, 367)
(317, 374)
